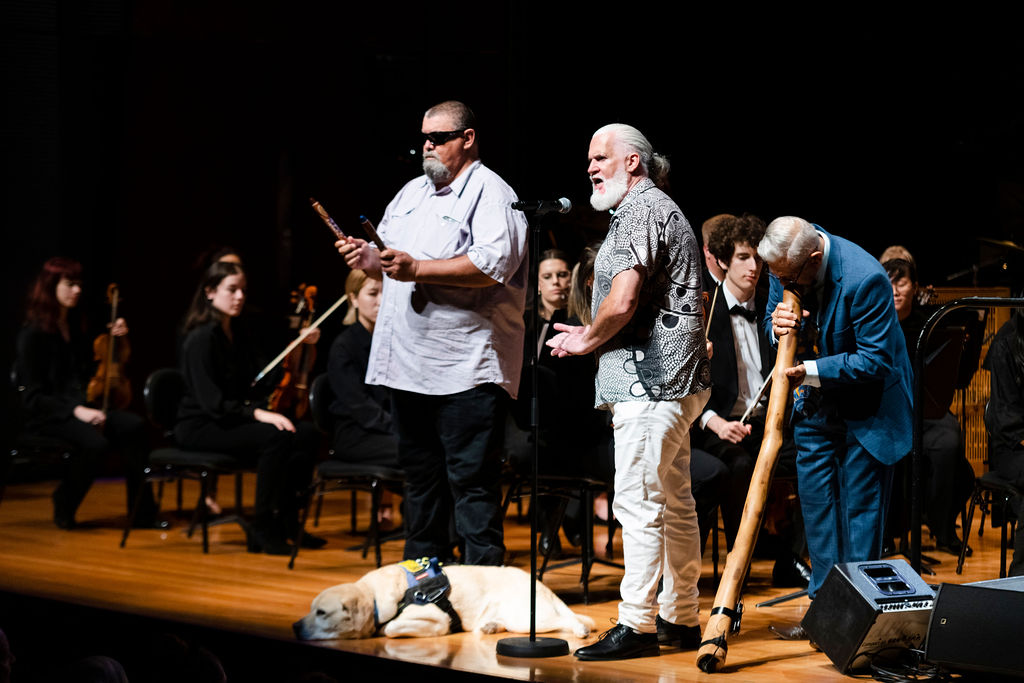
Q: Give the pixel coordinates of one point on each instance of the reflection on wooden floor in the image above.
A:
(165, 575)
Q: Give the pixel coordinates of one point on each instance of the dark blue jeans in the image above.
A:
(450, 449)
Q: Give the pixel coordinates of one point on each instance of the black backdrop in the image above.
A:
(139, 133)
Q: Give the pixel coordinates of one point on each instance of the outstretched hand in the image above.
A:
(571, 341)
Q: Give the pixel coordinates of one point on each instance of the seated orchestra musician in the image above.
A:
(54, 366)
(948, 476)
(568, 426)
(1004, 420)
(363, 429)
(743, 357)
(217, 412)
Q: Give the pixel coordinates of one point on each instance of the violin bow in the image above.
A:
(298, 340)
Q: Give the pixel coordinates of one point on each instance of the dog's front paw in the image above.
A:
(581, 630)
(491, 627)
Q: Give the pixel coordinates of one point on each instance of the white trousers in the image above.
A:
(655, 507)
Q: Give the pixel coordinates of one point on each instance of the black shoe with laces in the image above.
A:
(674, 635)
(621, 642)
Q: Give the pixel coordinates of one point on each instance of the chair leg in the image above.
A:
(587, 547)
(302, 521)
(373, 536)
(985, 502)
(239, 508)
(553, 527)
(135, 506)
(180, 486)
(975, 495)
(353, 509)
(203, 510)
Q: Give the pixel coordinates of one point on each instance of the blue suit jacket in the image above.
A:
(862, 356)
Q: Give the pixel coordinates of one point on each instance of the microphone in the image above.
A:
(540, 208)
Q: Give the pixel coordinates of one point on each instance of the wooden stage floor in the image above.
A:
(165, 576)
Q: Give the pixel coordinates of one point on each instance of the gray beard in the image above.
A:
(614, 190)
(436, 171)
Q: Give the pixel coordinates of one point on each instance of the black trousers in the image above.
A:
(284, 462)
(124, 432)
(948, 476)
(1009, 463)
(450, 449)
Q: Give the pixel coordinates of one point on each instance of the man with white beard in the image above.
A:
(449, 336)
(654, 375)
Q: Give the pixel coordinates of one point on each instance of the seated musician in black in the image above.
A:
(54, 363)
(948, 476)
(218, 413)
(1004, 419)
(743, 358)
(363, 431)
(573, 436)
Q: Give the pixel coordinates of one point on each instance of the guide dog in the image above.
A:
(483, 599)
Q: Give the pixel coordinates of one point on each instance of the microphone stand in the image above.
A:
(518, 646)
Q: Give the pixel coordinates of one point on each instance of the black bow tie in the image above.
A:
(750, 315)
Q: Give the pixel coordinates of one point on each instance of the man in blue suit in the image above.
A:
(852, 409)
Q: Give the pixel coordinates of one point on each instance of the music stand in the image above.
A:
(532, 646)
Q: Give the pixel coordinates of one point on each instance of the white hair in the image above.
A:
(654, 165)
(788, 239)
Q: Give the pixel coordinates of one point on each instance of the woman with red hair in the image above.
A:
(53, 367)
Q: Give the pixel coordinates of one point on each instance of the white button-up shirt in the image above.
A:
(437, 339)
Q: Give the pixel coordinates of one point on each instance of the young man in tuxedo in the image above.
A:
(743, 358)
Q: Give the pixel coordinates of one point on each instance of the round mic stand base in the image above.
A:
(532, 647)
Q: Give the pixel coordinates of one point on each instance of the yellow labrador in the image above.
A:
(486, 599)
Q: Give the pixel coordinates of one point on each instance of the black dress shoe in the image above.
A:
(621, 642)
(547, 545)
(674, 635)
(311, 542)
(953, 547)
(258, 540)
(790, 572)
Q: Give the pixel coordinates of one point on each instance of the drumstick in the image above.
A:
(711, 312)
(298, 340)
(757, 399)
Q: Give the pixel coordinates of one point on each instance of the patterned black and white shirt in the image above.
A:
(660, 355)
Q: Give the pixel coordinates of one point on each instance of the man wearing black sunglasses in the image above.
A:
(449, 336)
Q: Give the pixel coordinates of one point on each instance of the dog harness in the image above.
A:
(428, 585)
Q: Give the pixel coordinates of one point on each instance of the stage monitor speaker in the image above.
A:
(974, 626)
(863, 608)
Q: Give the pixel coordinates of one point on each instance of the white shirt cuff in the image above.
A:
(812, 379)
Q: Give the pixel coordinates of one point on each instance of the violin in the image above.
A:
(292, 392)
(109, 387)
